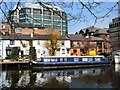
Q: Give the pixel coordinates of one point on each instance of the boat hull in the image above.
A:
(69, 62)
(35, 66)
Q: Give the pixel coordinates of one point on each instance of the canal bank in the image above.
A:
(14, 64)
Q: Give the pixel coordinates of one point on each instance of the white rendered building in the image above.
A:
(7, 42)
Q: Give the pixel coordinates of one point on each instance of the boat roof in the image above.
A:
(69, 56)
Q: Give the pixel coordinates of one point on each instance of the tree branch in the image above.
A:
(89, 11)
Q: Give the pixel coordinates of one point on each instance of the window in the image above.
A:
(84, 59)
(38, 17)
(65, 59)
(61, 59)
(37, 21)
(64, 28)
(63, 51)
(90, 59)
(28, 10)
(57, 27)
(99, 44)
(46, 12)
(105, 45)
(47, 22)
(38, 51)
(52, 60)
(25, 10)
(48, 27)
(12, 42)
(25, 16)
(46, 60)
(43, 52)
(14, 18)
(74, 51)
(27, 51)
(8, 51)
(57, 18)
(64, 23)
(76, 59)
(37, 11)
(22, 10)
(97, 59)
(56, 23)
(68, 51)
(38, 43)
(62, 43)
(47, 17)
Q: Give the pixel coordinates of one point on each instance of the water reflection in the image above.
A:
(24, 79)
(4, 80)
(97, 77)
(117, 67)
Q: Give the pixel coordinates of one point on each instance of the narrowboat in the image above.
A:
(53, 62)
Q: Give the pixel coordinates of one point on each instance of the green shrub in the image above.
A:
(8, 57)
(14, 53)
(32, 53)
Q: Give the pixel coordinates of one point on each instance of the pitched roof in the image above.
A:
(76, 37)
(28, 37)
(36, 31)
(79, 37)
(95, 38)
(101, 31)
(95, 30)
(91, 29)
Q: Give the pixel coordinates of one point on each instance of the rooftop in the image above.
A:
(28, 37)
(38, 6)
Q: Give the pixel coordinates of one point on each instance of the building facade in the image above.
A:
(99, 36)
(90, 46)
(7, 42)
(114, 30)
(35, 15)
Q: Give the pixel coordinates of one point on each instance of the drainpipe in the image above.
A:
(2, 50)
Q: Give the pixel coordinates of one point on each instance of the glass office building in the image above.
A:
(52, 17)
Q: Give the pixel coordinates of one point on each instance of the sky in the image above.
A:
(102, 23)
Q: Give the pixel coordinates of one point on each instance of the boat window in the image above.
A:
(52, 60)
(76, 59)
(61, 59)
(46, 60)
(90, 59)
(56, 60)
(97, 59)
(65, 59)
(84, 59)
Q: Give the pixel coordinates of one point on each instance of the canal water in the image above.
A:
(93, 77)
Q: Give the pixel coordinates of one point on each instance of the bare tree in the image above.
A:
(80, 8)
